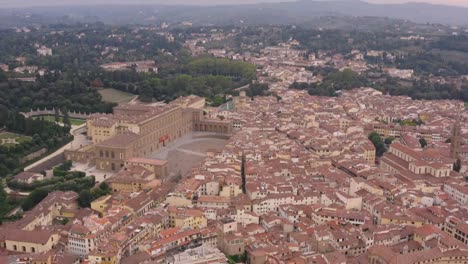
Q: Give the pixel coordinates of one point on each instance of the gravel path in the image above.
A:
(188, 151)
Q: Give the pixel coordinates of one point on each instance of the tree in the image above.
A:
(257, 89)
(56, 115)
(423, 142)
(379, 145)
(85, 198)
(64, 221)
(278, 98)
(66, 118)
(66, 165)
(34, 198)
(389, 140)
(146, 93)
(97, 83)
(102, 190)
(457, 166)
(218, 100)
(3, 77)
(105, 187)
(3, 115)
(184, 56)
(4, 207)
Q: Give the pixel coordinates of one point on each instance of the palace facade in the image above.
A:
(137, 130)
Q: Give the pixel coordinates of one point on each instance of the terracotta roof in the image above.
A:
(119, 140)
(36, 237)
(148, 161)
(25, 175)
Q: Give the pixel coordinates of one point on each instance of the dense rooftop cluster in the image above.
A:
(298, 181)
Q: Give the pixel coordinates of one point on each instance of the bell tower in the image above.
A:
(455, 140)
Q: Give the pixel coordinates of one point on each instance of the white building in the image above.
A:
(199, 255)
(44, 51)
(80, 240)
(457, 192)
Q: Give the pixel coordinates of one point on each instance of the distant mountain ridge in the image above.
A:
(299, 12)
(305, 9)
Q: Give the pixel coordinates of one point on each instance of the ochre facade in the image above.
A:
(135, 130)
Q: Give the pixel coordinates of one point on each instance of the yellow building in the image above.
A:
(56, 203)
(401, 219)
(82, 155)
(185, 217)
(111, 255)
(132, 131)
(232, 187)
(369, 155)
(137, 130)
(101, 128)
(158, 167)
(18, 240)
(379, 254)
(129, 184)
(178, 200)
(100, 204)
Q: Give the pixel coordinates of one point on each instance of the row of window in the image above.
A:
(79, 245)
(23, 248)
(171, 118)
(106, 154)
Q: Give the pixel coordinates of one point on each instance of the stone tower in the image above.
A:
(455, 140)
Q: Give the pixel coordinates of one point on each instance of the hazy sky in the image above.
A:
(23, 3)
(445, 2)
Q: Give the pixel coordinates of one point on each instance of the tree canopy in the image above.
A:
(379, 145)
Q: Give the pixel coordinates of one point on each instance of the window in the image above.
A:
(33, 249)
(23, 248)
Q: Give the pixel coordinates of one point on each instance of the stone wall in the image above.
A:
(39, 112)
(48, 164)
(33, 155)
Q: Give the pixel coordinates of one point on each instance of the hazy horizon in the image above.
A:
(36, 3)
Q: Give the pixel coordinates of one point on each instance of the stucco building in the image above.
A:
(136, 130)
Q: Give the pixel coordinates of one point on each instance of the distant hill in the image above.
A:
(300, 12)
(304, 10)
